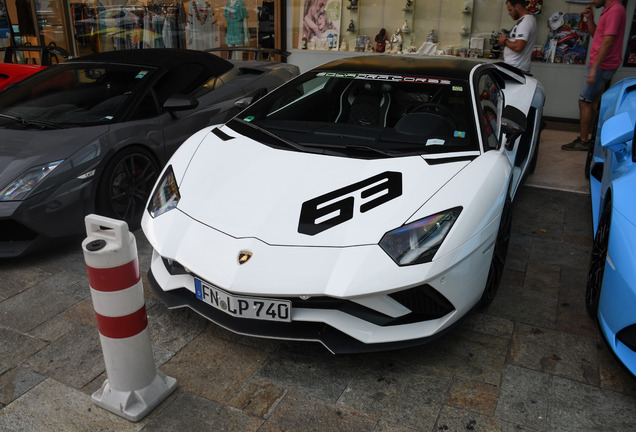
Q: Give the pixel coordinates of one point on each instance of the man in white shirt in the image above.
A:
(518, 44)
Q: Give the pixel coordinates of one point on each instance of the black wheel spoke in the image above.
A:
(127, 186)
(129, 165)
(146, 177)
(118, 196)
(140, 195)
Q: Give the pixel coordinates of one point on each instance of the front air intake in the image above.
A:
(628, 337)
(424, 301)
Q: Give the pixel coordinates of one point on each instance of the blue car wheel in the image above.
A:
(597, 261)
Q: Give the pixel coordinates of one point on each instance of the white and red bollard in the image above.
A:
(133, 386)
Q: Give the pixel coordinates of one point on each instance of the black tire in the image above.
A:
(126, 184)
(499, 254)
(588, 160)
(535, 156)
(597, 261)
(590, 150)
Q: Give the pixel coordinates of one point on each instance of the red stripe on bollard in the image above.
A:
(123, 326)
(115, 278)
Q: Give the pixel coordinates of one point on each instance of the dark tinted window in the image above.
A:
(490, 107)
(397, 114)
(74, 94)
(183, 79)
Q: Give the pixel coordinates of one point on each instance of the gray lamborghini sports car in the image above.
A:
(91, 135)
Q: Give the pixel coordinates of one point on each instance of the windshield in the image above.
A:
(383, 115)
(72, 94)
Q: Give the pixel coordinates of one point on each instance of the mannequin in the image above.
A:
(200, 27)
(266, 24)
(237, 30)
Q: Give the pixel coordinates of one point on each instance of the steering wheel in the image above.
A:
(436, 108)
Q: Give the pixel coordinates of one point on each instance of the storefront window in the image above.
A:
(5, 33)
(30, 22)
(195, 24)
(92, 26)
(431, 27)
(50, 22)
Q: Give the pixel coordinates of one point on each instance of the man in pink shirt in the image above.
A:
(606, 55)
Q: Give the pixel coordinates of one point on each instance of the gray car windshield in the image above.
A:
(72, 94)
(364, 114)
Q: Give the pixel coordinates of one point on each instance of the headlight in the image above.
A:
(418, 242)
(166, 195)
(19, 188)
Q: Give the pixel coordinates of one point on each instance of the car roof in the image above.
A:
(161, 58)
(447, 67)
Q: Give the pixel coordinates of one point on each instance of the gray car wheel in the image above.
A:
(126, 184)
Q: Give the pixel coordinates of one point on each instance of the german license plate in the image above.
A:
(243, 307)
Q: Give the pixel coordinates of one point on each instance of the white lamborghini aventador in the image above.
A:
(365, 204)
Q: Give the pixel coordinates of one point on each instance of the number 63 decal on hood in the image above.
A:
(388, 184)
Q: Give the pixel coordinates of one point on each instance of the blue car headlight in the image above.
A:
(19, 188)
(166, 195)
(417, 242)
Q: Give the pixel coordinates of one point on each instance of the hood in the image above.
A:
(249, 190)
(23, 149)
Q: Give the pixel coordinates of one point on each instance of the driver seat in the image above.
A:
(366, 105)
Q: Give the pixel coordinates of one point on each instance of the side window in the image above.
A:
(147, 108)
(182, 79)
(490, 107)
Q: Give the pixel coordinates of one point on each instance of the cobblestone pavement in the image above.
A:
(533, 360)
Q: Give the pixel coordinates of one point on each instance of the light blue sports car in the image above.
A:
(611, 284)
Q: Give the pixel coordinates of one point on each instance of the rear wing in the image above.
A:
(511, 73)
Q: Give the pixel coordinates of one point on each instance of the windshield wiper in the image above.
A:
(355, 147)
(38, 123)
(271, 135)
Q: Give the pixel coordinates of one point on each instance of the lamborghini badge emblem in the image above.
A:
(244, 256)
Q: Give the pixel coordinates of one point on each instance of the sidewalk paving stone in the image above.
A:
(53, 406)
(75, 359)
(533, 360)
(588, 408)
(17, 382)
(556, 353)
(300, 412)
(258, 397)
(184, 411)
(453, 419)
(312, 369)
(523, 397)
(402, 393)
(213, 368)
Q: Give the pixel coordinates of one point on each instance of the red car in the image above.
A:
(15, 68)
(12, 72)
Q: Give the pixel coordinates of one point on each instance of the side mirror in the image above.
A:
(617, 131)
(513, 124)
(244, 102)
(252, 97)
(179, 103)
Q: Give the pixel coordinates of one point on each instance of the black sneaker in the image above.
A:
(577, 145)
